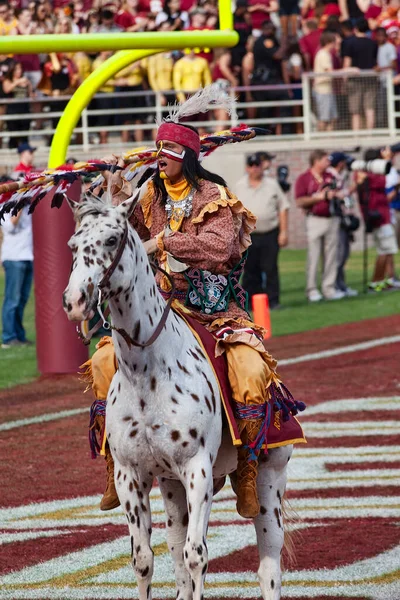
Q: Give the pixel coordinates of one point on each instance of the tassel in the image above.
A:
(283, 400)
(261, 439)
(98, 408)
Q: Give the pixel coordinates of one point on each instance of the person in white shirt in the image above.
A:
(263, 196)
(17, 260)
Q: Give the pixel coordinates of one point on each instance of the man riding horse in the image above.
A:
(199, 233)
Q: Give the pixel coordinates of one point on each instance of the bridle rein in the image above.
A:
(103, 316)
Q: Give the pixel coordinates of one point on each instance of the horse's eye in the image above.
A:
(111, 241)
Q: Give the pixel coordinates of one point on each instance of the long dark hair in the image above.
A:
(192, 171)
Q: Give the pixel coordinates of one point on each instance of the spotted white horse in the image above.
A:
(164, 410)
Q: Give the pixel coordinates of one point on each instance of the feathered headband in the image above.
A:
(54, 184)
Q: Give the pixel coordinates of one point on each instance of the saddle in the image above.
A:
(283, 429)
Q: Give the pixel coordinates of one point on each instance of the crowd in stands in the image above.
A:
(278, 41)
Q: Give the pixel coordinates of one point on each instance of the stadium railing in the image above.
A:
(297, 110)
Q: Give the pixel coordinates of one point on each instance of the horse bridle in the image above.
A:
(103, 320)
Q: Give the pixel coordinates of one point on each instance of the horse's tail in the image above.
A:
(292, 535)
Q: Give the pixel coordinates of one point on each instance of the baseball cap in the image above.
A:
(253, 160)
(24, 147)
(337, 157)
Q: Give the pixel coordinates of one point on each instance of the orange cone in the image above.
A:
(261, 313)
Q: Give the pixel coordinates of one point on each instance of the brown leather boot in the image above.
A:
(247, 498)
(110, 498)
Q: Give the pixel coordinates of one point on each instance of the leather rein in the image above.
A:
(103, 317)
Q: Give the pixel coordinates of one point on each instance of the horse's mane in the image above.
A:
(93, 205)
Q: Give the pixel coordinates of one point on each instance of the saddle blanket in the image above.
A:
(280, 432)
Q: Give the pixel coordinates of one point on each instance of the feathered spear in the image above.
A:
(55, 184)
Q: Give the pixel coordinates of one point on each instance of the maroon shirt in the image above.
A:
(309, 44)
(377, 200)
(307, 185)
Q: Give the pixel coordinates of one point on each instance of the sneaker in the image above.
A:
(338, 295)
(10, 344)
(315, 296)
(350, 293)
(377, 286)
(393, 283)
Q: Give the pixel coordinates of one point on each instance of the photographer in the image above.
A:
(374, 202)
(314, 195)
(348, 221)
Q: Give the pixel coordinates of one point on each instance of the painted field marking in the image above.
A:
(285, 362)
(42, 418)
(342, 350)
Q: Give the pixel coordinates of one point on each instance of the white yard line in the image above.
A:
(42, 418)
(342, 350)
(285, 362)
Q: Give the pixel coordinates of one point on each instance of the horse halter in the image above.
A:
(103, 317)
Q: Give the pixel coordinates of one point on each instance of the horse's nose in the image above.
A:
(67, 305)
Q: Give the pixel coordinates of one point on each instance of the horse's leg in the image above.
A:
(133, 493)
(199, 493)
(271, 483)
(174, 497)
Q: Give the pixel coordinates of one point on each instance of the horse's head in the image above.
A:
(95, 245)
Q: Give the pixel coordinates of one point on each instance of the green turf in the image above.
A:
(18, 365)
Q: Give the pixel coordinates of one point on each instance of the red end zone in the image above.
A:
(344, 486)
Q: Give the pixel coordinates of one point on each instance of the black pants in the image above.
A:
(261, 270)
(343, 255)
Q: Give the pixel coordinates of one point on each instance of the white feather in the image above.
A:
(200, 102)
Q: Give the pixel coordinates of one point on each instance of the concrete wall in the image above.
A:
(230, 163)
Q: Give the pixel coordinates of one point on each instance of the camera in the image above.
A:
(348, 222)
(282, 174)
(378, 166)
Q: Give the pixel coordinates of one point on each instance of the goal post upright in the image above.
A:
(58, 348)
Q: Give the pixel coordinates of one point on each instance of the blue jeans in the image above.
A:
(19, 275)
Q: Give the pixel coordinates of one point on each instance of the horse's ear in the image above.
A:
(127, 207)
(72, 204)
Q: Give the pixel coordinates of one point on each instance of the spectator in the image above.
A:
(386, 61)
(348, 221)
(8, 22)
(260, 12)
(176, 18)
(289, 11)
(17, 259)
(106, 101)
(18, 88)
(268, 55)
(43, 21)
(263, 196)
(159, 73)
(190, 73)
(247, 77)
(92, 23)
(361, 52)
(131, 79)
(198, 21)
(128, 17)
(309, 43)
(353, 9)
(242, 25)
(25, 165)
(323, 88)
(62, 76)
(313, 196)
(374, 203)
(6, 65)
(295, 65)
(107, 23)
(30, 62)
